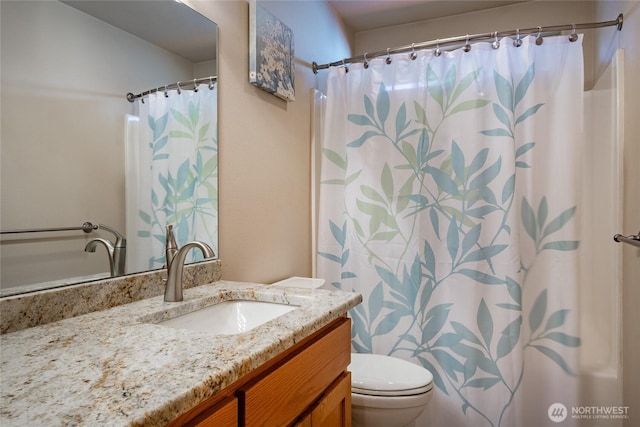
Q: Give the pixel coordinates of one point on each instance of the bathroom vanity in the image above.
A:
(119, 366)
(307, 385)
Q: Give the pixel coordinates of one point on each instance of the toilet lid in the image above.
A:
(380, 375)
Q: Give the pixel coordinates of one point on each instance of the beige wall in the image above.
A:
(264, 143)
(607, 42)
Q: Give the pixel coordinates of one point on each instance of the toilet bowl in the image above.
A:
(387, 391)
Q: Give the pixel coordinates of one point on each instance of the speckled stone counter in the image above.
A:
(44, 306)
(116, 367)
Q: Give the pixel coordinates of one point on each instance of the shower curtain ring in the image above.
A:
(344, 64)
(539, 39)
(388, 57)
(438, 51)
(210, 83)
(166, 94)
(413, 55)
(467, 46)
(366, 61)
(518, 41)
(573, 37)
(195, 85)
(179, 89)
(496, 43)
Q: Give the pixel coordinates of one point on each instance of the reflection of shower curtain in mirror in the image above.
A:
(172, 173)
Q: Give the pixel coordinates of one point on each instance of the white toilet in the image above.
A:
(387, 391)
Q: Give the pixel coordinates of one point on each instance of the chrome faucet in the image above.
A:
(117, 251)
(175, 264)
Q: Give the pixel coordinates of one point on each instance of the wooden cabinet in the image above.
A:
(224, 414)
(280, 396)
(307, 385)
(333, 408)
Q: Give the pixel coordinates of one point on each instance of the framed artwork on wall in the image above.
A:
(271, 53)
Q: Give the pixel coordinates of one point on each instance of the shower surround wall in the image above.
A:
(606, 45)
(601, 257)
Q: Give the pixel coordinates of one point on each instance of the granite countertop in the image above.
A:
(115, 367)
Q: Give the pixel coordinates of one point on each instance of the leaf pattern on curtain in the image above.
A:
(442, 216)
(183, 149)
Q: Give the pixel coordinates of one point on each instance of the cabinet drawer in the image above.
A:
(279, 398)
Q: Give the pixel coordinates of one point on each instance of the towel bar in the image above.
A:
(87, 227)
(631, 240)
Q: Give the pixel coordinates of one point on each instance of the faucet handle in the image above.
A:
(171, 247)
(120, 239)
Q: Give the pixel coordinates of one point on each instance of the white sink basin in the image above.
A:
(229, 317)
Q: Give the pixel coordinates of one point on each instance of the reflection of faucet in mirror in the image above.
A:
(175, 264)
(117, 251)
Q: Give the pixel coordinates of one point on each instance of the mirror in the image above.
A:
(66, 69)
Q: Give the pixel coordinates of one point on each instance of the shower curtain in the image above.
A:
(449, 199)
(176, 175)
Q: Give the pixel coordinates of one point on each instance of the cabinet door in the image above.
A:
(334, 408)
(304, 422)
(280, 397)
(223, 415)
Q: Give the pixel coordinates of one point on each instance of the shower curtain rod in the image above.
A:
(211, 80)
(539, 31)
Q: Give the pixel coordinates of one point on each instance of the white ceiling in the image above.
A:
(361, 15)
